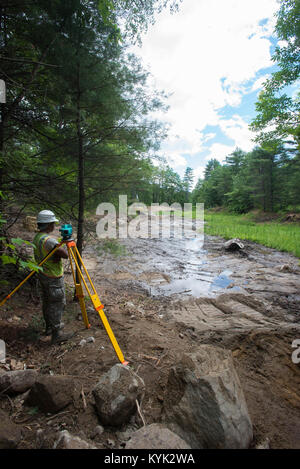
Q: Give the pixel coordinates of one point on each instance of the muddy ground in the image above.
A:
(163, 297)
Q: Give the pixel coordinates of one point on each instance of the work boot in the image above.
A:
(48, 330)
(58, 337)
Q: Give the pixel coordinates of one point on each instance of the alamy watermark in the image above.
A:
(157, 221)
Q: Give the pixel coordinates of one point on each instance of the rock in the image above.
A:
(67, 441)
(17, 381)
(10, 433)
(51, 393)
(82, 342)
(90, 340)
(286, 268)
(233, 245)
(40, 438)
(155, 436)
(116, 394)
(204, 402)
(30, 223)
(263, 444)
(97, 432)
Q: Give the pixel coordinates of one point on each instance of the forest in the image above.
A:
(77, 128)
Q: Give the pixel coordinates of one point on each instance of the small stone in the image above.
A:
(264, 444)
(90, 339)
(181, 335)
(97, 432)
(155, 436)
(82, 342)
(67, 441)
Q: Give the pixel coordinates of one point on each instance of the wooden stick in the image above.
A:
(139, 412)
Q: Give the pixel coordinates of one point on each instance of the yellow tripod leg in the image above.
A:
(78, 288)
(30, 275)
(99, 308)
(73, 251)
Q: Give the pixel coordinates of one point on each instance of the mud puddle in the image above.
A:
(195, 266)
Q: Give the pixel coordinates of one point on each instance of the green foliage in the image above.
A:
(274, 108)
(113, 247)
(9, 254)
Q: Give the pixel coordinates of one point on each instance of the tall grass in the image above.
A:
(284, 237)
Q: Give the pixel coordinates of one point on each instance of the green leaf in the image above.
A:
(8, 259)
(31, 266)
(18, 241)
(11, 246)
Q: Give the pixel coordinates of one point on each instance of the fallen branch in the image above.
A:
(58, 415)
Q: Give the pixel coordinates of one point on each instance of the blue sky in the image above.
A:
(212, 57)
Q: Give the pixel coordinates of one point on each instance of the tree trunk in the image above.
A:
(81, 192)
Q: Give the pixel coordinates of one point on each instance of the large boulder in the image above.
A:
(51, 393)
(204, 402)
(116, 394)
(10, 433)
(155, 436)
(18, 381)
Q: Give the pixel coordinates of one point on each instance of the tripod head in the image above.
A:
(66, 232)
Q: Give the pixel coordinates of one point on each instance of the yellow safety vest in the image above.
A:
(50, 268)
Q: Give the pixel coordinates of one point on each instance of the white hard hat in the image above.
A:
(46, 216)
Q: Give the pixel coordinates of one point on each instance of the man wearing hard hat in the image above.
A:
(51, 278)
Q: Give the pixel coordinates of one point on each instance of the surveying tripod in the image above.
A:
(78, 278)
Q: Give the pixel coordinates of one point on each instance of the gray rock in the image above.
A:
(233, 245)
(67, 441)
(90, 340)
(51, 393)
(10, 433)
(98, 430)
(265, 444)
(17, 381)
(204, 402)
(155, 436)
(116, 394)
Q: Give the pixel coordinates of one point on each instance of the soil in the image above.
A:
(156, 318)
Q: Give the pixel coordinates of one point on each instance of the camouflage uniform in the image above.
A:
(54, 301)
(51, 282)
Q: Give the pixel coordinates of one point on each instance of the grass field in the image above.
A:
(281, 236)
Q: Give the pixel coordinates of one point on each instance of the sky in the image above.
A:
(212, 58)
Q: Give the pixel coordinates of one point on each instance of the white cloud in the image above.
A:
(205, 55)
(238, 130)
(258, 84)
(198, 173)
(219, 151)
(175, 160)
